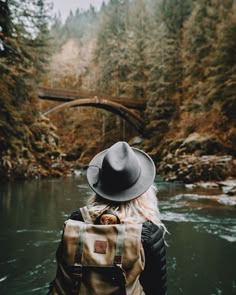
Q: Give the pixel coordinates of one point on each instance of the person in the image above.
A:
(122, 178)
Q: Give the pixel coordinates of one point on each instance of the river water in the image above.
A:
(202, 241)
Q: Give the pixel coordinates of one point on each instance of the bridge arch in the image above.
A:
(130, 116)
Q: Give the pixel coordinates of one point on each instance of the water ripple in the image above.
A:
(3, 279)
(208, 199)
(26, 230)
(227, 233)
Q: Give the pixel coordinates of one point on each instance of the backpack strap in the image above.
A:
(80, 244)
(119, 245)
(77, 270)
(119, 256)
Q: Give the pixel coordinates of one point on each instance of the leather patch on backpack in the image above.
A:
(100, 247)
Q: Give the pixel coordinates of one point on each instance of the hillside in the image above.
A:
(179, 56)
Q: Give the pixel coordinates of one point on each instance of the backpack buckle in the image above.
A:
(76, 271)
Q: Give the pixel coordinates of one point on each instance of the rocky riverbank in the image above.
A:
(192, 168)
(193, 159)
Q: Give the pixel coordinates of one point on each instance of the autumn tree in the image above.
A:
(23, 41)
(111, 50)
(165, 60)
(204, 55)
(137, 32)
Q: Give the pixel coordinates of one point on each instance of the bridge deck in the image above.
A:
(65, 95)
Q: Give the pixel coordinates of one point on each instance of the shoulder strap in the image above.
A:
(85, 214)
(119, 245)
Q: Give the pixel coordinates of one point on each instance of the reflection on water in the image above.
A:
(202, 226)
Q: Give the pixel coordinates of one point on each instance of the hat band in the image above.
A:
(98, 174)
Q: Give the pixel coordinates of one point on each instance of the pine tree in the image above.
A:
(23, 31)
(137, 44)
(221, 74)
(79, 25)
(26, 37)
(202, 45)
(111, 49)
(165, 58)
(57, 38)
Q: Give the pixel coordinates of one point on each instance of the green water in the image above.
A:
(202, 244)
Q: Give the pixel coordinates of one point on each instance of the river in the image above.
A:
(201, 255)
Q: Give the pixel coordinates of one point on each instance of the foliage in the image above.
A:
(111, 49)
(209, 54)
(23, 51)
(178, 55)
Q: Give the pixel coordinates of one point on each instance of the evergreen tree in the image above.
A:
(221, 74)
(80, 25)
(23, 42)
(137, 45)
(202, 45)
(111, 50)
(174, 13)
(165, 58)
(57, 38)
(26, 39)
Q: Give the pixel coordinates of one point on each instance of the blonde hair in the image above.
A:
(138, 210)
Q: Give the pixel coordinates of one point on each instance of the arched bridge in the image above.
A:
(128, 109)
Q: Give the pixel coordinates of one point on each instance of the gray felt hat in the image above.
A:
(121, 173)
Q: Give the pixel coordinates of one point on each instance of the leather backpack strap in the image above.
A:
(119, 257)
(119, 245)
(77, 269)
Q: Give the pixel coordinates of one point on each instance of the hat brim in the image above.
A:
(145, 180)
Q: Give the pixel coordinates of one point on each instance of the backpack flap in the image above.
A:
(111, 256)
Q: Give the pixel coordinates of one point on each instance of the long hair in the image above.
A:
(138, 210)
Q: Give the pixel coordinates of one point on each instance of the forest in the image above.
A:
(179, 56)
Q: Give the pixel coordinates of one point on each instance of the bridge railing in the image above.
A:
(64, 95)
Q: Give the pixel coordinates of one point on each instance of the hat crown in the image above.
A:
(121, 172)
(120, 167)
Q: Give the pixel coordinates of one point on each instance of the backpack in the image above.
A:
(99, 259)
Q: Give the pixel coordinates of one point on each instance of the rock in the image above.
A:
(207, 185)
(192, 168)
(192, 137)
(231, 191)
(228, 187)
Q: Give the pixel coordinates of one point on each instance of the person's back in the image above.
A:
(115, 244)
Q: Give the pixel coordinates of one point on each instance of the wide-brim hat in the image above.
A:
(121, 173)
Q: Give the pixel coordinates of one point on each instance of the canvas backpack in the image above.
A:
(99, 259)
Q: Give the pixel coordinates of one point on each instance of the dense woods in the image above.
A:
(178, 55)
